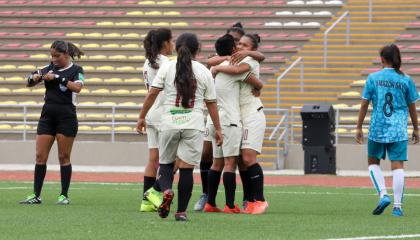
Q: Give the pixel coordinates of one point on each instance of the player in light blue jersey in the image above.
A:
(393, 95)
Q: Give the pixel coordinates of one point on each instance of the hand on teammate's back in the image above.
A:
(141, 126)
(415, 137)
(239, 56)
(359, 136)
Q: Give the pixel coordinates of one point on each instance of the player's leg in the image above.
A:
(229, 182)
(214, 176)
(246, 185)
(205, 165)
(398, 155)
(377, 151)
(65, 145)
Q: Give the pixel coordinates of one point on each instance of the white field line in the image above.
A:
(379, 237)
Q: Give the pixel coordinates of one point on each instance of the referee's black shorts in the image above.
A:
(58, 118)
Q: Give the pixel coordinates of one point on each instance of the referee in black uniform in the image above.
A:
(63, 80)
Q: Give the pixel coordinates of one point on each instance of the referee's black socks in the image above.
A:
(213, 185)
(229, 181)
(166, 176)
(256, 178)
(39, 176)
(65, 179)
(185, 186)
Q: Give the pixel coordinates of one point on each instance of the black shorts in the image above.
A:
(58, 118)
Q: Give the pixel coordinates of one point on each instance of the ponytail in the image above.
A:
(187, 46)
(68, 48)
(238, 28)
(391, 55)
(153, 43)
(255, 39)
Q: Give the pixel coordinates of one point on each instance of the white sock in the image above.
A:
(378, 179)
(398, 186)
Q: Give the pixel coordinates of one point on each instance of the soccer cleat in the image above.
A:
(245, 204)
(181, 216)
(234, 210)
(147, 206)
(397, 212)
(165, 207)
(63, 200)
(199, 205)
(31, 199)
(249, 207)
(383, 203)
(153, 197)
(209, 208)
(259, 207)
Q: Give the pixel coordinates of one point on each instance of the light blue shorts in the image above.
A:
(397, 151)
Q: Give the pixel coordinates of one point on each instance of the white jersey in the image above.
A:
(174, 115)
(227, 91)
(154, 115)
(248, 102)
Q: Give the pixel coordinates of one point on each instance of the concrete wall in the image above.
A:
(349, 156)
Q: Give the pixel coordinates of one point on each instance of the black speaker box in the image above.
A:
(320, 160)
(318, 125)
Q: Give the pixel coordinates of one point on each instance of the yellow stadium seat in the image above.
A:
(105, 23)
(21, 90)
(105, 68)
(98, 57)
(7, 67)
(27, 67)
(84, 91)
(85, 128)
(87, 103)
(130, 45)
(22, 127)
(143, 35)
(38, 90)
(28, 103)
(171, 13)
(165, 3)
(131, 35)
(14, 115)
(140, 69)
(153, 13)
(160, 24)
(121, 91)
(100, 91)
(84, 57)
(112, 35)
(136, 57)
(351, 94)
(46, 45)
(123, 23)
(39, 56)
(135, 13)
(132, 116)
(95, 115)
(125, 68)
(117, 116)
(102, 128)
(91, 45)
(341, 130)
(81, 115)
(123, 129)
(117, 57)
(88, 68)
(348, 118)
(94, 34)
(107, 103)
(74, 34)
(134, 80)
(179, 24)
(142, 24)
(113, 80)
(364, 130)
(94, 80)
(359, 82)
(15, 79)
(1, 78)
(111, 45)
(128, 104)
(146, 2)
(5, 90)
(5, 127)
(33, 115)
(139, 91)
(340, 105)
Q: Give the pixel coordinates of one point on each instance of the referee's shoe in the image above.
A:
(31, 199)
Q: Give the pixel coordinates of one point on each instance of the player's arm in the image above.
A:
(414, 121)
(214, 115)
(362, 114)
(232, 69)
(216, 60)
(240, 55)
(254, 81)
(148, 103)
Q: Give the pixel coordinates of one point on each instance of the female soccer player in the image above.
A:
(63, 80)
(253, 121)
(157, 45)
(393, 95)
(186, 84)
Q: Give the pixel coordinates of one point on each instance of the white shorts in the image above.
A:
(206, 133)
(152, 136)
(231, 141)
(253, 131)
(186, 144)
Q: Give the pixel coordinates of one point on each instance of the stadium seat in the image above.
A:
(351, 94)
(120, 91)
(100, 91)
(113, 80)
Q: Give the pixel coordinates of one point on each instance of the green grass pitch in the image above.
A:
(110, 211)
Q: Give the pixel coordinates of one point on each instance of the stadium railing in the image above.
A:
(285, 72)
(282, 130)
(345, 14)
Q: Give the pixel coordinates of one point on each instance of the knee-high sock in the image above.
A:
(229, 181)
(166, 176)
(378, 179)
(204, 172)
(185, 186)
(246, 186)
(256, 178)
(398, 186)
(39, 176)
(148, 182)
(213, 185)
(65, 179)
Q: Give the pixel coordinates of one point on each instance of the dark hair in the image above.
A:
(255, 39)
(153, 44)
(68, 48)
(225, 45)
(391, 54)
(187, 46)
(238, 28)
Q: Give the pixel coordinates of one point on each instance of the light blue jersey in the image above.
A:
(391, 93)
